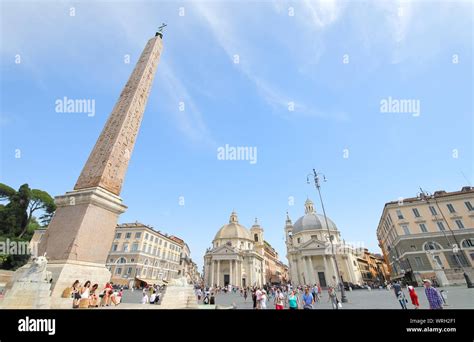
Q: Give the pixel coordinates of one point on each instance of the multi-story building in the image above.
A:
(373, 268)
(139, 254)
(274, 268)
(429, 237)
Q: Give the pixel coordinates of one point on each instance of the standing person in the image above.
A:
(333, 297)
(293, 300)
(316, 293)
(245, 294)
(433, 296)
(413, 296)
(258, 293)
(263, 300)
(254, 299)
(199, 293)
(144, 298)
(279, 300)
(308, 299)
(400, 295)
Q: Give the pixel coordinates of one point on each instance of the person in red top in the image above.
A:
(413, 296)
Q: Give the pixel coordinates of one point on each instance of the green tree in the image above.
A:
(17, 219)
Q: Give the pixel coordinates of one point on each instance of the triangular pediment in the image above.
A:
(225, 249)
(313, 244)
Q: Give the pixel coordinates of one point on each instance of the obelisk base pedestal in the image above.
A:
(67, 272)
(79, 238)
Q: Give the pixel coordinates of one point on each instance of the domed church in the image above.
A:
(236, 256)
(309, 251)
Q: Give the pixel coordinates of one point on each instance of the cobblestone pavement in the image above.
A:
(457, 298)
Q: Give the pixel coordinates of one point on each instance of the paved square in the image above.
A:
(457, 298)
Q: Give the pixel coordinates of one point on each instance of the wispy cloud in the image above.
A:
(190, 119)
(226, 35)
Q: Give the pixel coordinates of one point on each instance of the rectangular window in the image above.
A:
(138, 235)
(469, 206)
(405, 229)
(423, 228)
(128, 235)
(154, 250)
(418, 261)
(118, 235)
(125, 247)
(416, 212)
(433, 210)
(129, 271)
(118, 270)
(460, 224)
(450, 208)
(440, 225)
(114, 248)
(146, 236)
(399, 214)
(166, 244)
(135, 247)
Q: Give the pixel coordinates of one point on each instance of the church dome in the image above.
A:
(233, 230)
(311, 220)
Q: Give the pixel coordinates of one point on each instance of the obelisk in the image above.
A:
(81, 232)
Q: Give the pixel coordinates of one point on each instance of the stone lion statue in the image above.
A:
(35, 271)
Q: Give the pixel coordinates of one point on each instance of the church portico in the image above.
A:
(236, 257)
(310, 247)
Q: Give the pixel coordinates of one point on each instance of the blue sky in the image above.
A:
(402, 50)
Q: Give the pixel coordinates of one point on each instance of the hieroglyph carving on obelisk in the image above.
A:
(108, 162)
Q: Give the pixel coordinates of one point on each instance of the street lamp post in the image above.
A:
(425, 196)
(339, 276)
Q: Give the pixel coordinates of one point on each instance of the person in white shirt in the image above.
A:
(258, 294)
(263, 300)
(152, 298)
(144, 298)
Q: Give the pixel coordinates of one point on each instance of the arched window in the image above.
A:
(121, 261)
(255, 237)
(431, 245)
(468, 243)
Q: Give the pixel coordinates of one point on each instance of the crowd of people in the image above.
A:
(152, 294)
(281, 296)
(436, 299)
(89, 296)
(307, 297)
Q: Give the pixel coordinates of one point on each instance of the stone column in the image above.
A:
(218, 272)
(326, 270)
(312, 275)
(349, 270)
(240, 270)
(262, 274)
(212, 273)
(250, 272)
(308, 272)
(230, 272)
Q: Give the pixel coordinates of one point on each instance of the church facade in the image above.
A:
(311, 255)
(237, 256)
